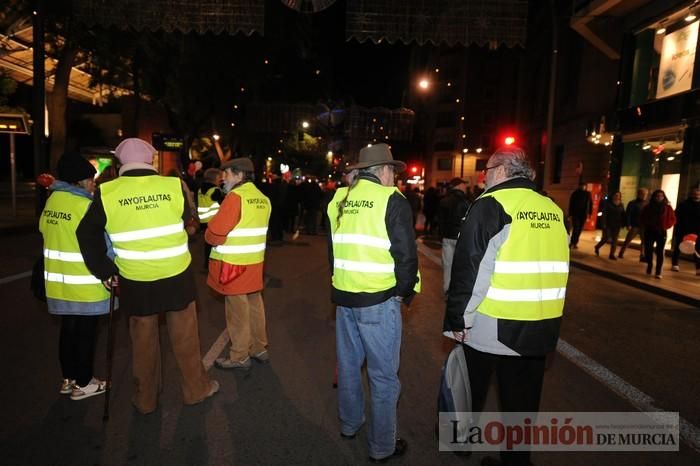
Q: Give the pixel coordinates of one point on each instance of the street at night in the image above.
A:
(285, 412)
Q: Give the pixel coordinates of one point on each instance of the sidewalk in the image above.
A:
(682, 286)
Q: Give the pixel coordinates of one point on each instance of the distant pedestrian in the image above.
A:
(657, 217)
(209, 199)
(580, 208)
(634, 225)
(451, 212)
(276, 191)
(613, 218)
(375, 269)
(506, 297)
(688, 222)
(238, 233)
(144, 215)
(431, 201)
(413, 198)
(72, 292)
(311, 203)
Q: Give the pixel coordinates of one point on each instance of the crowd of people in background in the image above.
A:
(649, 217)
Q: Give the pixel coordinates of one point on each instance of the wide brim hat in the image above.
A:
(240, 164)
(377, 154)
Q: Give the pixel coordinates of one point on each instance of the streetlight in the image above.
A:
(424, 84)
(305, 124)
(216, 137)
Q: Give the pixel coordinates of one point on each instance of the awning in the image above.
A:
(466, 22)
(217, 16)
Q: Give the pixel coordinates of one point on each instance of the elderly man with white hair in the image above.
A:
(506, 295)
(144, 215)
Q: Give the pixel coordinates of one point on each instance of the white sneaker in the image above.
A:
(67, 386)
(658, 275)
(94, 387)
(675, 268)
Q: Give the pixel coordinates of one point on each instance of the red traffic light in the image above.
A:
(509, 140)
(414, 169)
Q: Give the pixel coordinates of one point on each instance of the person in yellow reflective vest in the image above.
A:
(209, 199)
(238, 233)
(72, 292)
(375, 269)
(144, 215)
(506, 295)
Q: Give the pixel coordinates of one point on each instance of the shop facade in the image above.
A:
(658, 142)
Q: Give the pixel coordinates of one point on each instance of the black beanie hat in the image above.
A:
(73, 167)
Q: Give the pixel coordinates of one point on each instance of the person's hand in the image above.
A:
(110, 282)
(460, 336)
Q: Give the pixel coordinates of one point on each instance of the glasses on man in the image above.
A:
(492, 167)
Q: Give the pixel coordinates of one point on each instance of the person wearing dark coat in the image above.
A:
(687, 223)
(144, 300)
(657, 217)
(614, 218)
(451, 212)
(634, 214)
(431, 200)
(580, 208)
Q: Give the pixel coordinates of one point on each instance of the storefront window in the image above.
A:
(653, 164)
(664, 60)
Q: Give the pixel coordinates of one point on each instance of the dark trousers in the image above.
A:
(576, 228)
(654, 242)
(675, 251)
(519, 387)
(76, 347)
(310, 221)
(207, 246)
(609, 235)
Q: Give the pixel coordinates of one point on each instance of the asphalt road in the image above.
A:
(285, 412)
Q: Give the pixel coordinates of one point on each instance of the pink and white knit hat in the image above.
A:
(134, 150)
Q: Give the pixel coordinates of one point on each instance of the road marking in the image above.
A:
(689, 433)
(18, 276)
(215, 350)
(640, 400)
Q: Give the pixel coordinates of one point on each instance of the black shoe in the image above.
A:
(597, 251)
(347, 436)
(612, 258)
(399, 450)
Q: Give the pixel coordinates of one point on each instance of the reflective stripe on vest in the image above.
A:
(362, 262)
(532, 265)
(144, 222)
(207, 207)
(66, 276)
(245, 244)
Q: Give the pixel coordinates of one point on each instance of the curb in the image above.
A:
(639, 284)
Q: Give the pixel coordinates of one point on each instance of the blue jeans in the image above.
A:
(372, 333)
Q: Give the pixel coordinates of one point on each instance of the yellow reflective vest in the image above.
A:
(144, 222)
(206, 206)
(245, 244)
(362, 262)
(531, 269)
(66, 276)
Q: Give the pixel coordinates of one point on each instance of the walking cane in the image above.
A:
(110, 348)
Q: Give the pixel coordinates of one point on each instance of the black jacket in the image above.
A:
(218, 194)
(399, 227)
(135, 298)
(580, 204)
(486, 225)
(688, 218)
(453, 207)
